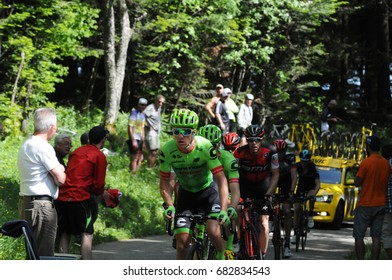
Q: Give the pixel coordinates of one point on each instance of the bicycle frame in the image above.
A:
(249, 236)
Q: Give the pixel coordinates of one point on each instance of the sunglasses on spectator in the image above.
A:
(183, 131)
(254, 139)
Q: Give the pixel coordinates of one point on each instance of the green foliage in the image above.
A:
(35, 38)
(10, 118)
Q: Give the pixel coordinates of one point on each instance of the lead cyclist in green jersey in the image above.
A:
(195, 162)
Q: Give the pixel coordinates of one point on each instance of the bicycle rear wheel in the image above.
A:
(277, 238)
(195, 252)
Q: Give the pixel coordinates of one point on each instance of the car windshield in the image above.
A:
(330, 175)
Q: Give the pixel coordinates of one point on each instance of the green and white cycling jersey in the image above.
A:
(230, 166)
(194, 170)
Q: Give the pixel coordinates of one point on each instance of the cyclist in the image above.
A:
(230, 167)
(286, 185)
(231, 141)
(259, 175)
(194, 161)
(308, 184)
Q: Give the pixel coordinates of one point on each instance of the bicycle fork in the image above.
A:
(248, 238)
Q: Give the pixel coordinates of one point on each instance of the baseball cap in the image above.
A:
(112, 199)
(373, 142)
(228, 91)
(224, 94)
(250, 96)
(219, 86)
(143, 101)
(96, 134)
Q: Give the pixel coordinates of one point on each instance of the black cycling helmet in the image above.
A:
(254, 131)
(305, 155)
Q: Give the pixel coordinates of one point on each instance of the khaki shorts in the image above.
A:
(152, 139)
(387, 231)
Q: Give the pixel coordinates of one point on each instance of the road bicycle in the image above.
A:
(201, 247)
(277, 228)
(301, 227)
(280, 130)
(248, 230)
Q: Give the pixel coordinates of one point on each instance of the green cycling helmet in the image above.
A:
(211, 132)
(184, 118)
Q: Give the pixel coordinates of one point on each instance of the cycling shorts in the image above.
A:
(76, 218)
(205, 201)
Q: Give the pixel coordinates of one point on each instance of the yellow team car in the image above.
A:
(337, 198)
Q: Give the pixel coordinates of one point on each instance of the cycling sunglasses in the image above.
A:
(183, 131)
(254, 139)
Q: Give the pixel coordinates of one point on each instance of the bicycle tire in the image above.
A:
(252, 243)
(277, 238)
(298, 233)
(195, 252)
(241, 255)
(305, 230)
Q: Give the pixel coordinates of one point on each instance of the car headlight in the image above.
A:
(324, 198)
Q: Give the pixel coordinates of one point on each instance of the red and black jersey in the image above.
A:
(256, 168)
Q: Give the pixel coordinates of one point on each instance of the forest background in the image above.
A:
(92, 60)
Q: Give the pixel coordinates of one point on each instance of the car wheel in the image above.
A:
(339, 215)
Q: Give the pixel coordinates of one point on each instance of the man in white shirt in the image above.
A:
(245, 116)
(40, 174)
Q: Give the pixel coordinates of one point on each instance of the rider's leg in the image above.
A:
(288, 222)
(214, 232)
(264, 233)
(182, 243)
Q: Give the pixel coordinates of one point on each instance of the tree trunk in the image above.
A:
(115, 63)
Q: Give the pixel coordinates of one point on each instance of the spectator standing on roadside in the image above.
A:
(136, 135)
(232, 110)
(153, 128)
(328, 116)
(387, 224)
(211, 105)
(62, 147)
(222, 114)
(84, 139)
(86, 174)
(245, 116)
(372, 181)
(40, 174)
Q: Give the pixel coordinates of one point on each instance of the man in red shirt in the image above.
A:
(372, 180)
(86, 173)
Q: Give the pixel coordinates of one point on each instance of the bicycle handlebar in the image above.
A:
(169, 229)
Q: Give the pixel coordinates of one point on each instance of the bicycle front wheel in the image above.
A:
(195, 252)
(277, 238)
(252, 243)
(305, 229)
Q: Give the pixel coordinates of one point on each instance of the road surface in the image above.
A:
(322, 244)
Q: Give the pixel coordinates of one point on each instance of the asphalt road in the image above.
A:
(322, 244)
